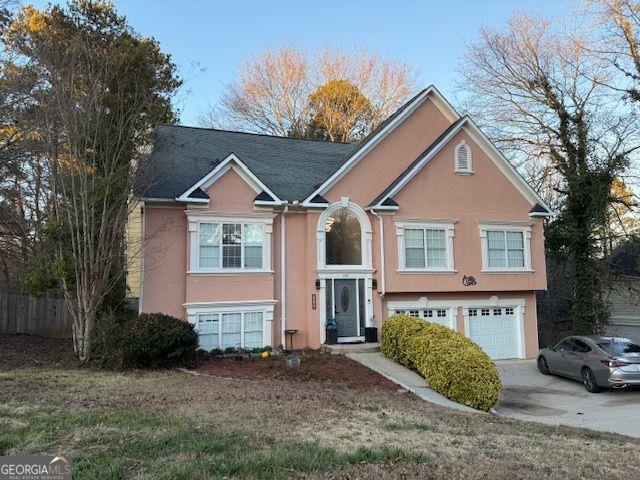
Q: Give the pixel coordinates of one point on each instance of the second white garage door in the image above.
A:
(495, 330)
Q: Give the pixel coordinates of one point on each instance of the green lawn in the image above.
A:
(172, 425)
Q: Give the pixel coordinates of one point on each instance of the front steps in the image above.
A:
(345, 348)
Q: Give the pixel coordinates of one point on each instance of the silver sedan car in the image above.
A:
(598, 362)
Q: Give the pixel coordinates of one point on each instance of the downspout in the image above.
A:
(143, 218)
(382, 262)
(283, 276)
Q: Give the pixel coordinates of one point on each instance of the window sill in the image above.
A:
(228, 272)
(464, 172)
(423, 271)
(507, 272)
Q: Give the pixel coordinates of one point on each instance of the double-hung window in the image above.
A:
(224, 330)
(505, 248)
(231, 246)
(425, 247)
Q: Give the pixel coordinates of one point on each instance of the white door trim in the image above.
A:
(368, 305)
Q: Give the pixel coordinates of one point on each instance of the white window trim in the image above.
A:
(194, 243)
(264, 306)
(469, 170)
(449, 228)
(523, 227)
(366, 235)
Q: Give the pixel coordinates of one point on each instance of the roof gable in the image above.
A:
(505, 167)
(381, 132)
(231, 162)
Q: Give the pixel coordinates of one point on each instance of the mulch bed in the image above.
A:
(25, 351)
(314, 367)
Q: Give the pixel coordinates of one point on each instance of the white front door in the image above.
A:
(495, 330)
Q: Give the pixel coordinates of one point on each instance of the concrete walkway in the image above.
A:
(406, 378)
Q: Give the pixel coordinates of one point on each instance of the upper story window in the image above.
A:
(464, 162)
(505, 247)
(343, 239)
(425, 246)
(229, 245)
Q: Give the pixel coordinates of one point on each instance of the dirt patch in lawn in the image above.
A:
(314, 367)
(25, 351)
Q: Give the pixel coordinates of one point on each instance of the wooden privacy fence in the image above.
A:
(47, 316)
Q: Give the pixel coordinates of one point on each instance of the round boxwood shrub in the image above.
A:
(149, 340)
(452, 364)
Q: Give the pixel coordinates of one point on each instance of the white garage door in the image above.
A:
(495, 330)
(433, 315)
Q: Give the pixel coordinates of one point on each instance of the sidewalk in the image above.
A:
(406, 378)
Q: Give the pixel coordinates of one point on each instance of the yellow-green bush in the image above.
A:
(452, 364)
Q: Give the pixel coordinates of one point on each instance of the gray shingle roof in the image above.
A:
(291, 168)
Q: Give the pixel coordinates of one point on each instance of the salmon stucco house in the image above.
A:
(247, 236)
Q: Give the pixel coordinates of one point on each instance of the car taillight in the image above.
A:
(611, 363)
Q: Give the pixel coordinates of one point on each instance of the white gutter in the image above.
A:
(283, 277)
(382, 275)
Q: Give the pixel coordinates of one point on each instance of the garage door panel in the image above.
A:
(495, 331)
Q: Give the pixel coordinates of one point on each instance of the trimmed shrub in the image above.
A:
(452, 364)
(150, 340)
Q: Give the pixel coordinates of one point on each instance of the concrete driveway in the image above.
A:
(529, 395)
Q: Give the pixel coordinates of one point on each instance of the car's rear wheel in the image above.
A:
(589, 381)
(543, 366)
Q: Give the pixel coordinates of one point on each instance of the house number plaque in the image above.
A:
(313, 301)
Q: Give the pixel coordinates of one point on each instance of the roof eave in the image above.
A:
(383, 207)
(268, 203)
(541, 214)
(191, 200)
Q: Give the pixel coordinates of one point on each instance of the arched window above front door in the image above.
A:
(343, 238)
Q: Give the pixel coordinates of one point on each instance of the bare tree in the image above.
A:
(271, 93)
(385, 83)
(618, 41)
(544, 94)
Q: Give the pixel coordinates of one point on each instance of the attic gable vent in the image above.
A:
(463, 158)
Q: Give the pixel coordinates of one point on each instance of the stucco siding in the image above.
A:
(165, 260)
(438, 193)
(375, 171)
